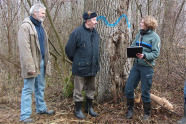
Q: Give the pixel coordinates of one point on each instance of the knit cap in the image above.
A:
(89, 15)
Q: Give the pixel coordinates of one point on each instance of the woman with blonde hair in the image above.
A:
(143, 67)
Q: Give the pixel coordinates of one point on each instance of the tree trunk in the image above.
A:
(114, 40)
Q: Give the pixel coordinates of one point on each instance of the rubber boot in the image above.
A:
(130, 104)
(183, 120)
(88, 108)
(147, 110)
(78, 112)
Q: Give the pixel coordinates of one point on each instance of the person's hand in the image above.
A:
(31, 73)
(139, 55)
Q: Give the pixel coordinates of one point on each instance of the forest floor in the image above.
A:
(109, 112)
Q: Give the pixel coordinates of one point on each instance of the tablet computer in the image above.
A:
(132, 51)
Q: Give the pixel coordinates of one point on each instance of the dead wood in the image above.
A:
(163, 102)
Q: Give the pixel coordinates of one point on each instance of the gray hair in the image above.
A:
(36, 7)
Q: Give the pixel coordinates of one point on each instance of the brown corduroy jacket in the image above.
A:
(30, 55)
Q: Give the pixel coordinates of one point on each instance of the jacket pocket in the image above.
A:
(83, 66)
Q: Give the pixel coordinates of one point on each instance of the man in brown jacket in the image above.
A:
(34, 57)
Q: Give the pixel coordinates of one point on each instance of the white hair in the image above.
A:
(36, 7)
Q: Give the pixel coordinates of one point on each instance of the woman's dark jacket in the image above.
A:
(83, 50)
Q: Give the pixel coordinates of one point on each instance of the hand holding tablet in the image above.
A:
(132, 51)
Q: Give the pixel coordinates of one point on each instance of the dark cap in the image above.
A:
(89, 15)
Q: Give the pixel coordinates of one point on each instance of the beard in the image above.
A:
(41, 19)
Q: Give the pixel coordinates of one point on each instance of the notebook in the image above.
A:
(132, 51)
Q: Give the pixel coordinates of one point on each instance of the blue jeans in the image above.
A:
(185, 92)
(26, 98)
(139, 73)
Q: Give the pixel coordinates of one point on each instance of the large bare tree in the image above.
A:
(114, 64)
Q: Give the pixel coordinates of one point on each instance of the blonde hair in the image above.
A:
(150, 22)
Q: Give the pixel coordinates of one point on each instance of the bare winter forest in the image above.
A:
(62, 17)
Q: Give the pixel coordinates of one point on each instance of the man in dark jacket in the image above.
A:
(83, 50)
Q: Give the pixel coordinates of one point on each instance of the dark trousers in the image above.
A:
(139, 73)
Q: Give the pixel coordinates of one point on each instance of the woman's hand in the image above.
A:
(139, 55)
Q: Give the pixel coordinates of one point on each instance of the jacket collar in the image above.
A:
(145, 32)
(88, 29)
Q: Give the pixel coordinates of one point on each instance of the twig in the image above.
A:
(4, 58)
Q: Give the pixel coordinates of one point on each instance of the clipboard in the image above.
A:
(132, 51)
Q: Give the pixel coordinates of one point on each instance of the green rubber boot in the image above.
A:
(89, 109)
(78, 112)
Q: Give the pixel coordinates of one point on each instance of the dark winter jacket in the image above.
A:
(83, 50)
(151, 47)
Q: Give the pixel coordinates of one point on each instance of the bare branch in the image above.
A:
(8, 60)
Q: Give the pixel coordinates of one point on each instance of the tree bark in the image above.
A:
(114, 40)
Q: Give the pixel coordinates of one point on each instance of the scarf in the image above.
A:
(143, 32)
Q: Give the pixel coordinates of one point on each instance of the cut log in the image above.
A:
(161, 101)
(138, 98)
